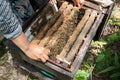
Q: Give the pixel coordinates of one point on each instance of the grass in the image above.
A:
(113, 38)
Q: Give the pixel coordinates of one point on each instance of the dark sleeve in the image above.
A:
(9, 24)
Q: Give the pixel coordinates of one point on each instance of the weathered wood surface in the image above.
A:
(54, 28)
(40, 20)
(104, 22)
(83, 49)
(73, 37)
(60, 37)
(49, 24)
(57, 35)
(73, 51)
(92, 5)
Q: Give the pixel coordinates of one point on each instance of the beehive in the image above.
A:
(67, 34)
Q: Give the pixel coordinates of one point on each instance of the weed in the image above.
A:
(113, 38)
(116, 23)
(81, 75)
(108, 62)
(84, 74)
(101, 43)
(104, 60)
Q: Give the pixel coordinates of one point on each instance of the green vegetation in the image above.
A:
(115, 17)
(101, 43)
(113, 38)
(81, 75)
(109, 61)
(104, 60)
(86, 73)
(116, 23)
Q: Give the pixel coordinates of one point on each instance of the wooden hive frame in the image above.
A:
(68, 61)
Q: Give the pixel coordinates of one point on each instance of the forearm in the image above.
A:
(33, 51)
(22, 42)
(11, 29)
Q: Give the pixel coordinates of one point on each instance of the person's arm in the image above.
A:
(11, 29)
(31, 50)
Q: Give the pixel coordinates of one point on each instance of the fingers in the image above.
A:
(78, 3)
(44, 54)
(43, 57)
(47, 51)
(81, 2)
(46, 57)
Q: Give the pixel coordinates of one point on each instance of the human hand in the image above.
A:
(37, 52)
(78, 3)
(32, 50)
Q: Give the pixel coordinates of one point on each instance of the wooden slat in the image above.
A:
(27, 23)
(82, 51)
(56, 71)
(80, 38)
(92, 5)
(60, 37)
(40, 18)
(49, 24)
(57, 24)
(104, 22)
(73, 37)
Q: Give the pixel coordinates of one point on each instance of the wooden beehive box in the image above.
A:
(67, 34)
